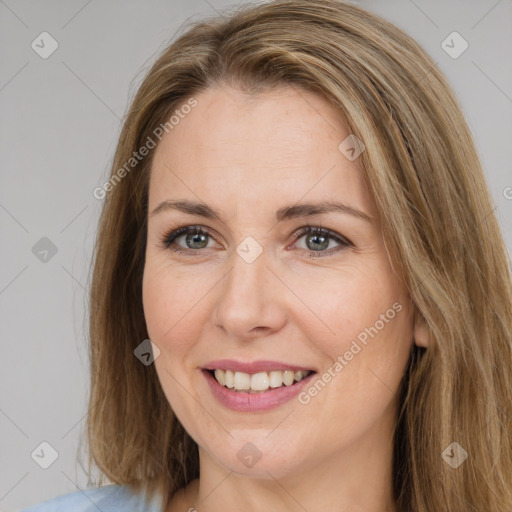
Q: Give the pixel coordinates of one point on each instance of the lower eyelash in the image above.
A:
(169, 238)
(318, 230)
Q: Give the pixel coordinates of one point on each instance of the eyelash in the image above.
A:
(169, 239)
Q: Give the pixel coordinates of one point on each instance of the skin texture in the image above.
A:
(248, 156)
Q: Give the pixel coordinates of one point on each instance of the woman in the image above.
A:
(301, 298)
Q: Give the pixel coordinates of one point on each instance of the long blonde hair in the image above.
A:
(438, 222)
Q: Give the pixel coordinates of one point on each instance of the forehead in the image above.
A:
(233, 147)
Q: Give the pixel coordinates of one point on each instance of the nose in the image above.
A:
(250, 302)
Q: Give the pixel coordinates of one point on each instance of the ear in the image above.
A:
(421, 334)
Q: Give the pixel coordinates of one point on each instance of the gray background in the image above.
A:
(60, 119)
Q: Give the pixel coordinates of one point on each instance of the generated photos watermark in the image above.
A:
(344, 359)
(149, 144)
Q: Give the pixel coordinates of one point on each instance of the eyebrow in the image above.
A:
(285, 213)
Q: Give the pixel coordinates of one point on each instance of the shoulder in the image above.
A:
(110, 498)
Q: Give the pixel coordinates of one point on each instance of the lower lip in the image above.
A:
(254, 402)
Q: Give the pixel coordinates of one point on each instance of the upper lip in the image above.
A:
(253, 366)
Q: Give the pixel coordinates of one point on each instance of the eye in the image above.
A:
(195, 238)
(318, 240)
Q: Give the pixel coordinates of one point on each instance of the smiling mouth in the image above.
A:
(258, 382)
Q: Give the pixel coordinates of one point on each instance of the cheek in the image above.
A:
(345, 302)
(173, 325)
(177, 311)
(364, 328)
(169, 307)
(157, 303)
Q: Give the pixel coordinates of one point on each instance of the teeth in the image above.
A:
(288, 377)
(299, 376)
(221, 377)
(230, 378)
(241, 381)
(276, 379)
(259, 381)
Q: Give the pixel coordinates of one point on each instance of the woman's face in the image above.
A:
(260, 291)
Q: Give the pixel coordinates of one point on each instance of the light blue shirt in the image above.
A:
(110, 498)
